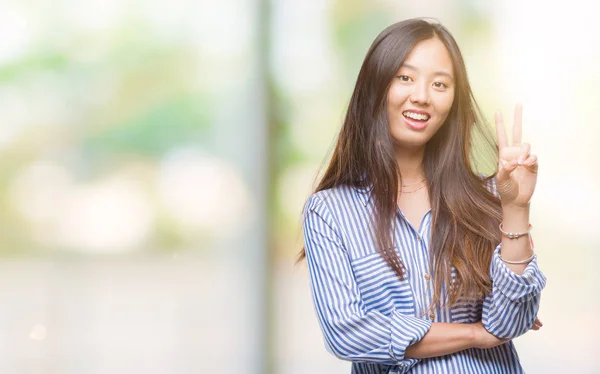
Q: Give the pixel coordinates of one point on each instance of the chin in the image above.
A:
(412, 140)
(410, 144)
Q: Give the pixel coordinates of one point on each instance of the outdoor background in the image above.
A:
(155, 157)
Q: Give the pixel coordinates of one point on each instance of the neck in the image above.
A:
(410, 164)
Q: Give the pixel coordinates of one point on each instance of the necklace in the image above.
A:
(410, 184)
(401, 191)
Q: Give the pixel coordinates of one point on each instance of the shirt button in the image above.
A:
(427, 277)
(432, 316)
(419, 237)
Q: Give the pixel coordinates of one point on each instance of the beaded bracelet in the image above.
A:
(516, 235)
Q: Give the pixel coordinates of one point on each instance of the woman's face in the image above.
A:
(421, 94)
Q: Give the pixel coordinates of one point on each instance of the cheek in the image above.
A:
(445, 104)
(396, 95)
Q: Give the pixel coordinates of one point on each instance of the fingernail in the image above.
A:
(521, 159)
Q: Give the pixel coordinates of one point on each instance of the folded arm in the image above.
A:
(511, 308)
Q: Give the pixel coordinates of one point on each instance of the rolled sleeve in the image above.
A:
(517, 287)
(510, 309)
(351, 332)
(406, 331)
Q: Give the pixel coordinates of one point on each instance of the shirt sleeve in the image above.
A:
(351, 332)
(511, 308)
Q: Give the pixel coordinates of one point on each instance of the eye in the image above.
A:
(440, 85)
(404, 78)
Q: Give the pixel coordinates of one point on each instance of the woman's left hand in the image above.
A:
(537, 324)
(517, 167)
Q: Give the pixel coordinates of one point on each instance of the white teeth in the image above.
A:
(417, 116)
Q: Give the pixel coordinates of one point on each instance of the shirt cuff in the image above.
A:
(516, 287)
(406, 331)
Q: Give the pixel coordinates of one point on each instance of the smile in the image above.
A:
(416, 116)
(416, 121)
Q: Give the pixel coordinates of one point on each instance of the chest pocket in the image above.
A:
(381, 288)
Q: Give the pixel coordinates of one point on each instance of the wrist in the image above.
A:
(508, 207)
(515, 218)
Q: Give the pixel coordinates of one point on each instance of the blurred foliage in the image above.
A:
(126, 96)
(355, 26)
(152, 131)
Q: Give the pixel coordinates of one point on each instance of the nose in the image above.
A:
(420, 95)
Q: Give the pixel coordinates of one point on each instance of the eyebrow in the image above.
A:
(408, 66)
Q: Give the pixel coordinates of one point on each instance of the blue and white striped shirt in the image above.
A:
(369, 316)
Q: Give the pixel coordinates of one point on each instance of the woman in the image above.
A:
(417, 263)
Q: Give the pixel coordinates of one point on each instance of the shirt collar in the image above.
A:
(364, 194)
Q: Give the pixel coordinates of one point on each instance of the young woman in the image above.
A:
(417, 262)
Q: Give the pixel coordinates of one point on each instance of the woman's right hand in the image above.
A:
(483, 339)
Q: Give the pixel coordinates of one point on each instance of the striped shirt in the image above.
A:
(369, 316)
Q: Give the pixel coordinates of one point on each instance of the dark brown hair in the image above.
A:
(465, 215)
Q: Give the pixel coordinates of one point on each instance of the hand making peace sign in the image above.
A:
(517, 167)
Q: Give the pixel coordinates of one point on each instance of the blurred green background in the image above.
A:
(155, 157)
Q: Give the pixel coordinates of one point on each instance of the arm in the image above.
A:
(511, 308)
(447, 338)
(516, 219)
(354, 334)
(350, 331)
(514, 185)
(508, 311)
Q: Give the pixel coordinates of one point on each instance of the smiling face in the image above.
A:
(421, 94)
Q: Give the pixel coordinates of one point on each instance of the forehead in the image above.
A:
(430, 55)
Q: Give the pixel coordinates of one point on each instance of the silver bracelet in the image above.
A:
(514, 235)
(517, 262)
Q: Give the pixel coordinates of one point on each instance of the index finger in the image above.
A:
(500, 132)
(518, 124)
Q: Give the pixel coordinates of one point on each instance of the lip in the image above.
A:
(416, 111)
(415, 125)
